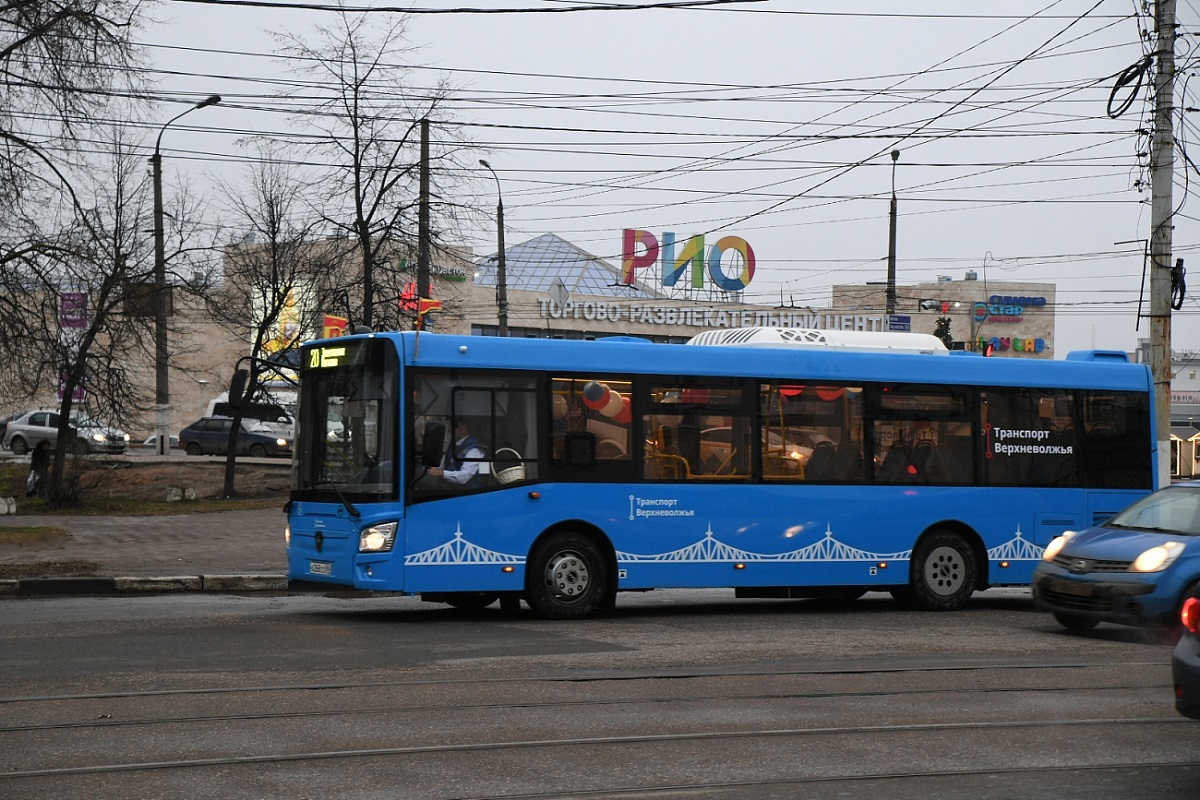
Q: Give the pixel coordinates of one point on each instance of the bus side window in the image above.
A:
(698, 430)
(590, 428)
(1027, 443)
(811, 433)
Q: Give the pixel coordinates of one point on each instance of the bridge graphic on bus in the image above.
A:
(711, 549)
(460, 551)
(1017, 548)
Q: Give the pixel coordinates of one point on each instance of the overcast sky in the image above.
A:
(774, 121)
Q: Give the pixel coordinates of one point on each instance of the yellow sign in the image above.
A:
(324, 357)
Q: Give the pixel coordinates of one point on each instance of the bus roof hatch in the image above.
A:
(811, 337)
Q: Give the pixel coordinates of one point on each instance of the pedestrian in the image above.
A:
(39, 465)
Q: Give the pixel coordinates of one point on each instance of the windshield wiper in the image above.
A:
(354, 512)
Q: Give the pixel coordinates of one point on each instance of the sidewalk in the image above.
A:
(221, 551)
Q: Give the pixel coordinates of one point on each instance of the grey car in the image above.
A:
(24, 433)
(210, 436)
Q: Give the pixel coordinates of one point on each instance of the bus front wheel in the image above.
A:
(943, 573)
(566, 577)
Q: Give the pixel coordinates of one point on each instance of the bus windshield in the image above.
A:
(346, 436)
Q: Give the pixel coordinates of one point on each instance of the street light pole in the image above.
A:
(891, 272)
(501, 277)
(162, 394)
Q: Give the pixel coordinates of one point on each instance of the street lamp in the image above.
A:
(501, 278)
(891, 276)
(162, 394)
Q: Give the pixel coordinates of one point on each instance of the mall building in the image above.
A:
(556, 290)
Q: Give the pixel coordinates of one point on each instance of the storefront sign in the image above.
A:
(1014, 344)
(709, 317)
(1005, 308)
(640, 250)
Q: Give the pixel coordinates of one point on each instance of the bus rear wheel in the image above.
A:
(566, 577)
(943, 573)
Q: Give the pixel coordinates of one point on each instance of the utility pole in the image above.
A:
(891, 275)
(1162, 168)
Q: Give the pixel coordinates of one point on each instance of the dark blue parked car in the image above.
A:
(210, 436)
(1135, 569)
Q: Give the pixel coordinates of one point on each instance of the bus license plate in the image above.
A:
(320, 568)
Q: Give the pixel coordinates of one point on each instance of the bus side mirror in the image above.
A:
(431, 444)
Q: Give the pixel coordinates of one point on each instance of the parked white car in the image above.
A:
(24, 433)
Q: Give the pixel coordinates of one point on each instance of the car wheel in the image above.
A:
(80, 447)
(18, 445)
(1075, 622)
(566, 577)
(258, 451)
(943, 572)
(192, 449)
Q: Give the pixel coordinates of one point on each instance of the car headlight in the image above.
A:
(281, 442)
(1056, 545)
(1156, 559)
(98, 437)
(377, 538)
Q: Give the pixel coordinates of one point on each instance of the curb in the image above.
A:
(44, 587)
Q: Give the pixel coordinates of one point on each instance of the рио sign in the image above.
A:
(641, 250)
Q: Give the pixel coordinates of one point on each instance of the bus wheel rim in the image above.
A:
(568, 576)
(945, 571)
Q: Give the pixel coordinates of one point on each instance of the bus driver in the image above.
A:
(464, 460)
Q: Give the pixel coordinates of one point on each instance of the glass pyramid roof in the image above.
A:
(534, 265)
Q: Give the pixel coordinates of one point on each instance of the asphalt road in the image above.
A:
(676, 694)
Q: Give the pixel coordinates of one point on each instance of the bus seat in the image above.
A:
(892, 470)
(847, 464)
(819, 463)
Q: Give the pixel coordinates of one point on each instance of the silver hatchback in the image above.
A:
(26, 431)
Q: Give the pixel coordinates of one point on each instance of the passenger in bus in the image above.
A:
(464, 460)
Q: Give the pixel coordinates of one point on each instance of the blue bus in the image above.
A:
(781, 464)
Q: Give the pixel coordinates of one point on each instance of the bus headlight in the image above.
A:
(1056, 545)
(1156, 559)
(377, 538)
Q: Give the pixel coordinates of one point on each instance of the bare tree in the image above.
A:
(272, 279)
(60, 62)
(367, 124)
(65, 302)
